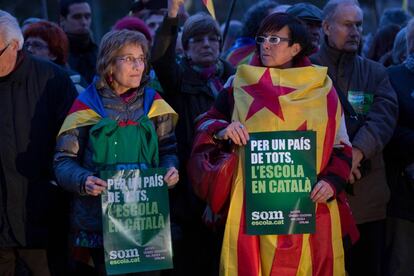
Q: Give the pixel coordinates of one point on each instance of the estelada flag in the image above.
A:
(88, 109)
(269, 99)
(210, 7)
(241, 52)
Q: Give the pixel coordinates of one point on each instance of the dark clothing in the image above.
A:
(185, 90)
(189, 94)
(33, 260)
(400, 151)
(399, 158)
(82, 55)
(379, 109)
(366, 256)
(35, 98)
(365, 85)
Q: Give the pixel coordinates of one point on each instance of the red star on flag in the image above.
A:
(265, 94)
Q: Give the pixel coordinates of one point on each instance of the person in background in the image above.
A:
(75, 20)
(29, 21)
(371, 110)
(233, 33)
(283, 47)
(382, 44)
(399, 50)
(47, 40)
(390, 16)
(245, 46)
(135, 24)
(190, 85)
(312, 16)
(121, 103)
(399, 158)
(35, 98)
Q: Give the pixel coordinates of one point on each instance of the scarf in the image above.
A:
(212, 75)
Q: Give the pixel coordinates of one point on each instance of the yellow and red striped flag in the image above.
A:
(210, 7)
(279, 100)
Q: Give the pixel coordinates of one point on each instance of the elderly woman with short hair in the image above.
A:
(118, 99)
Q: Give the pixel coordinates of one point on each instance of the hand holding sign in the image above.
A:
(236, 132)
(322, 192)
(94, 185)
(171, 177)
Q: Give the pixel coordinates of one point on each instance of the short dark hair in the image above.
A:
(254, 16)
(65, 4)
(298, 32)
(199, 24)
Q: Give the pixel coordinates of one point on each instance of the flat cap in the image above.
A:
(306, 11)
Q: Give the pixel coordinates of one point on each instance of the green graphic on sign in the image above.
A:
(136, 221)
(280, 171)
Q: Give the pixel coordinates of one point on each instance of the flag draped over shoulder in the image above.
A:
(88, 109)
(210, 7)
(241, 52)
(272, 100)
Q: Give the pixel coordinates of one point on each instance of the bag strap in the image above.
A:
(348, 109)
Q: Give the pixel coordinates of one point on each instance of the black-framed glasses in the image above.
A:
(4, 49)
(272, 39)
(130, 60)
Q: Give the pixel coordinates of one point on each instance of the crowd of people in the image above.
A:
(67, 102)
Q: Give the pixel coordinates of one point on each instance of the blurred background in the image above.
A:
(106, 12)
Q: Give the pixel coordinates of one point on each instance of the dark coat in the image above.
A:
(82, 55)
(34, 100)
(187, 93)
(350, 72)
(400, 151)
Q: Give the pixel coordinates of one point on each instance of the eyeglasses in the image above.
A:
(130, 60)
(202, 39)
(4, 49)
(272, 39)
(35, 45)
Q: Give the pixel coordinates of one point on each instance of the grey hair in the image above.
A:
(410, 36)
(9, 29)
(329, 10)
(111, 43)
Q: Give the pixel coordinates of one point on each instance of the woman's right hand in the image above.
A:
(235, 131)
(173, 7)
(94, 185)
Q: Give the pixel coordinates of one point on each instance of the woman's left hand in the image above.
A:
(171, 177)
(322, 192)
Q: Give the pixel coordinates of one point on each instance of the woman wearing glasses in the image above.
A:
(281, 91)
(116, 107)
(48, 41)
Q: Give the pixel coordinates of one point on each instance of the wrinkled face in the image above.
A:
(203, 50)
(78, 20)
(344, 29)
(38, 47)
(8, 56)
(278, 55)
(128, 68)
(154, 22)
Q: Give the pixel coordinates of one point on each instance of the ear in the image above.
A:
(326, 27)
(14, 44)
(295, 49)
